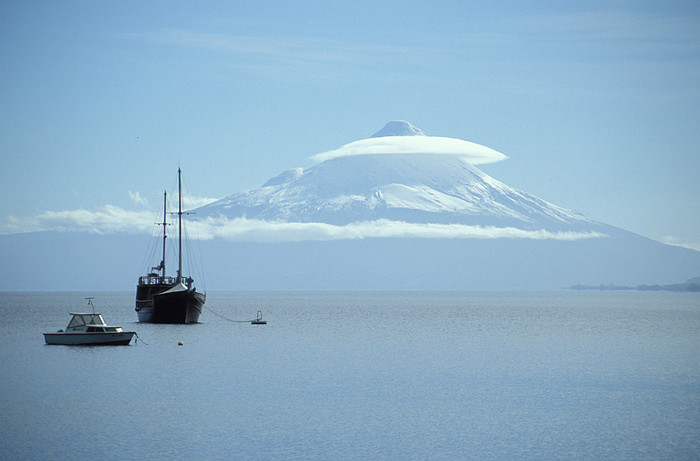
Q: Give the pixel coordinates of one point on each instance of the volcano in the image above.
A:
(422, 185)
(398, 210)
(404, 210)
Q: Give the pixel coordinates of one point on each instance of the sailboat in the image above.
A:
(167, 299)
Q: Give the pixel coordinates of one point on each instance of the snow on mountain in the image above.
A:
(398, 128)
(430, 187)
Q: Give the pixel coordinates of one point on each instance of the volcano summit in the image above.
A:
(399, 175)
(404, 210)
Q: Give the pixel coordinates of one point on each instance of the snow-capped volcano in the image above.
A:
(397, 211)
(398, 128)
(421, 187)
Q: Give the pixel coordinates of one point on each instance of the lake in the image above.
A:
(359, 375)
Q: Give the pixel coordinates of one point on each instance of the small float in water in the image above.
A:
(89, 330)
(258, 320)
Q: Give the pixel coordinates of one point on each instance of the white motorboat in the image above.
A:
(89, 329)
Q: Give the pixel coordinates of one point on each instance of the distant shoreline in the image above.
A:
(692, 285)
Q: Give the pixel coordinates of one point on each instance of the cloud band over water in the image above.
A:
(113, 219)
(241, 229)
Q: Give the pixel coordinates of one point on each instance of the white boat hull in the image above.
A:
(121, 338)
(145, 314)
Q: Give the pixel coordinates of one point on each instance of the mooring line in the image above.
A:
(226, 318)
(136, 341)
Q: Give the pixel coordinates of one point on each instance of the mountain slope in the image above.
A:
(421, 188)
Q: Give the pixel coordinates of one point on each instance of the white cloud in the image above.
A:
(107, 220)
(113, 219)
(292, 57)
(288, 48)
(242, 229)
(137, 199)
(475, 154)
(670, 240)
(190, 202)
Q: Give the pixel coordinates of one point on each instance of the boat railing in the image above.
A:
(156, 280)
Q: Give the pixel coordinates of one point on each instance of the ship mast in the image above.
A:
(179, 224)
(165, 235)
(161, 266)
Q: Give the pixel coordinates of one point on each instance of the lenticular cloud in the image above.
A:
(476, 154)
(400, 137)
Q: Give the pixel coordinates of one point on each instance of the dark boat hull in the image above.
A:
(177, 307)
(164, 303)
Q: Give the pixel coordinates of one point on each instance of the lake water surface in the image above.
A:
(374, 376)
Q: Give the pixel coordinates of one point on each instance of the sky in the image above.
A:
(596, 104)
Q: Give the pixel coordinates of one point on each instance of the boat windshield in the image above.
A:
(79, 320)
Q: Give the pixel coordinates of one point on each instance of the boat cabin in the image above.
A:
(90, 323)
(81, 320)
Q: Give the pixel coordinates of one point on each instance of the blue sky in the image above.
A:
(596, 104)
